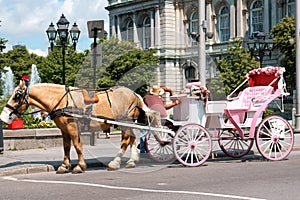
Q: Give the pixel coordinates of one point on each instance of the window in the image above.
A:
(129, 32)
(194, 26)
(190, 73)
(256, 13)
(146, 33)
(291, 10)
(224, 25)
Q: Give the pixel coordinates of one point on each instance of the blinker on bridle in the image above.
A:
(22, 98)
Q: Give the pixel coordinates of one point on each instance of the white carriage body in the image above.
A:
(190, 110)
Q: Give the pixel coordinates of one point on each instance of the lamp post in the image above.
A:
(259, 46)
(63, 34)
(200, 37)
(297, 115)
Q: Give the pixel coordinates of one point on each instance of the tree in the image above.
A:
(134, 69)
(284, 38)
(111, 50)
(232, 70)
(51, 67)
(20, 61)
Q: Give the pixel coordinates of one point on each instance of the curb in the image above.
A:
(26, 169)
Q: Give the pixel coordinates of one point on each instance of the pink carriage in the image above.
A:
(235, 123)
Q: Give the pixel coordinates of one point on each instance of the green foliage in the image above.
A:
(20, 61)
(232, 70)
(122, 65)
(135, 70)
(51, 68)
(285, 41)
(111, 50)
(268, 113)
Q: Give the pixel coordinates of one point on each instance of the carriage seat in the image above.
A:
(249, 96)
(250, 99)
(88, 99)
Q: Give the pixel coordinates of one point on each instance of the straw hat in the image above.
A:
(156, 90)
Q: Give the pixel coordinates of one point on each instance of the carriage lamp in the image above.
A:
(260, 45)
(63, 35)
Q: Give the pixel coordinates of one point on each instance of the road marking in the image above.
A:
(132, 189)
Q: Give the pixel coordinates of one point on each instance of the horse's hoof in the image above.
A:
(113, 165)
(77, 170)
(62, 170)
(130, 164)
(82, 166)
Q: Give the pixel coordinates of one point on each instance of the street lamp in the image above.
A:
(63, 34)
(201, 51)
(259, 46)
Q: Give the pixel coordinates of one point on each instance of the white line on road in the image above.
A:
(133, 189)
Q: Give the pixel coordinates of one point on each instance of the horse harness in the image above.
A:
(21, 96)
(85, 115)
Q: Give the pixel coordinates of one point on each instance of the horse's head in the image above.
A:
(16, 104)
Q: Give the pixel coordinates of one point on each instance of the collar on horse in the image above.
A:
(62, 111)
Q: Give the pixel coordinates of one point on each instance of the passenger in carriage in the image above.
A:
(155, 102)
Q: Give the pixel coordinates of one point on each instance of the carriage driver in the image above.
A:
(155, 102)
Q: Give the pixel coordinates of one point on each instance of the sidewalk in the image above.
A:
(48, 160)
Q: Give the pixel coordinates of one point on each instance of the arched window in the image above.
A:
(146, 33)
(129, 32)
(190, 73)
(194, 26)
(256, 13)
(224, 25)
(291, 10)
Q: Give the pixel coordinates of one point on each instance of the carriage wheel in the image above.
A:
(192, 145)
(274, 138)
(233, 145)
(159, 146)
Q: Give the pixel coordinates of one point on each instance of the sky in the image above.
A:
(25, 21)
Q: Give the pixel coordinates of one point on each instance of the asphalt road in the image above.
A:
(248, 178)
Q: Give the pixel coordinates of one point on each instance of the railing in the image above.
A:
(113, 2)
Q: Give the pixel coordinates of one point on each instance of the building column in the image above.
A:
(135, 34)
(209, 21)
(274, 13)
(177, 26)
(119, 36)
(152, 24)
(232, 22)
(239, 19)
(113, 27)
(266, 11)
(157, 26)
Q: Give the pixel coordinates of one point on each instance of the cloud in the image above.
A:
(38, 52)
(25, 22)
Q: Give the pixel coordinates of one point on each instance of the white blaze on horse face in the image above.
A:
(6, 116)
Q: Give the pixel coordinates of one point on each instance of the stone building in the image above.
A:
(167, 26)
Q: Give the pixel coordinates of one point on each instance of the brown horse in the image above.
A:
(59, 101)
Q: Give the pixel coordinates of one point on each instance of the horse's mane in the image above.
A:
(53, 85)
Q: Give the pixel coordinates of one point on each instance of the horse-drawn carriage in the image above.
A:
(236, 122)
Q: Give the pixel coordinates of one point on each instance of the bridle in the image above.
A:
(21, 96)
